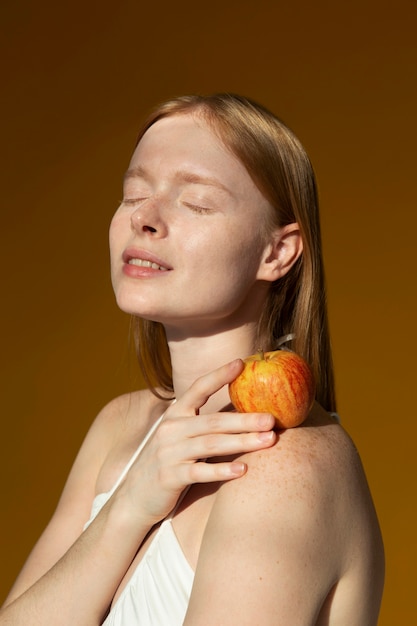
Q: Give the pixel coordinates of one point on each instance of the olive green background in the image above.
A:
(76, 79)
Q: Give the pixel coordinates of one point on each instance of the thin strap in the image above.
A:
(136, 454)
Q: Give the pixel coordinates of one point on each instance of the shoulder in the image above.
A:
(117, 431)
(300, 519)
(312, 474)
(74, 505)
(128, 414)
(105, 430)
(306, 463)
(120, 408)
(118, 425)
(308, 491)
(110, 430)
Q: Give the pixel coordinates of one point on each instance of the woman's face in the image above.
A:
(186, 241)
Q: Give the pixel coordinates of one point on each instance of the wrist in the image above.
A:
(127, 515)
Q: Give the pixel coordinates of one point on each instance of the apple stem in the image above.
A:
(261, 354)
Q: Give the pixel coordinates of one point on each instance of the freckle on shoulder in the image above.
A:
(317, 446)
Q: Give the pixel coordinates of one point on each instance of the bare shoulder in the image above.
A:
(298, 532)
(313, 474)
(113, 429)
(119, 428)
(308, 463)
(121, 408)
(106, 426)
(127, 416)
(112, 426)
(104, 433)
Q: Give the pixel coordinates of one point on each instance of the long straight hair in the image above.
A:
(282, 171)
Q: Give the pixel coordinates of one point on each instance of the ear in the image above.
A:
(281, 253)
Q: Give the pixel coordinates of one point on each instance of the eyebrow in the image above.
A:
(182, 176)
(135, 172)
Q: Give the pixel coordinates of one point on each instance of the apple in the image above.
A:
(279, 382)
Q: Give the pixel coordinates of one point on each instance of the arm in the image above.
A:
(257, 554)
(292, 542)
(48, 574)
(78, 589)
(75, 580)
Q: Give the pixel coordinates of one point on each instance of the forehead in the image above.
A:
(185, 137)
(184, 149)
(188, 143)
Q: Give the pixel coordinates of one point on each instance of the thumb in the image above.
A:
(205, 386)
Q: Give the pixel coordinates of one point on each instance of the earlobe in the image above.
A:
(281, 253)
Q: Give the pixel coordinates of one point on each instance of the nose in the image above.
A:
(148, 219)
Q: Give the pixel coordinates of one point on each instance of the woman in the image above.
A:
(202, 515)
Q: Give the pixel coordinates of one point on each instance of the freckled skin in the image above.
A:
(279, 382)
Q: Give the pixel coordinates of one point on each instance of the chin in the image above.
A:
(131, 305)
(137, 308)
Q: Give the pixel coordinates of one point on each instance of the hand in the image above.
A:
(177, 454)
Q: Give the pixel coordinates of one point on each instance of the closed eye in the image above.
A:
(132, 201)
(197, 208)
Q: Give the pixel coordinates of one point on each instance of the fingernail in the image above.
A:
(266, 436)
(237, 468)
(264, 420)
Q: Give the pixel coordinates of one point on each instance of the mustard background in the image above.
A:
(76, 79)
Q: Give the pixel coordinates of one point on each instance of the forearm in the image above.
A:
(79, 588)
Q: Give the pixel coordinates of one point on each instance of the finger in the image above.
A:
(235, 422)
(203, 472)
(221, 445)
(211, 445)
(216, 472)
(184, 429)
(229, 423)
(205, 386)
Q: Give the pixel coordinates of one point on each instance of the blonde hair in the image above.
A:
(281, 169)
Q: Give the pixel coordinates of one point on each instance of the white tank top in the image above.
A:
(159, 589)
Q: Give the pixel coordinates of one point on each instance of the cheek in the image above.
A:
(231, 257)
(117, 241)
(116, 230)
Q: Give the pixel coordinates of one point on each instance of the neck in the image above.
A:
(192, 357)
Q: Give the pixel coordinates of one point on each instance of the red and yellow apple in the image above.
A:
(278, 382)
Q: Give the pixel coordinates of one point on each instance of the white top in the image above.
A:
(159, 590)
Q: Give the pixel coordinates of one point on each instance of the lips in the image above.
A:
(145, 259)
(144, 263)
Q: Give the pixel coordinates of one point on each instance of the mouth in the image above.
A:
(145, 263)
(145, 259)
